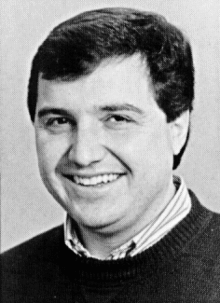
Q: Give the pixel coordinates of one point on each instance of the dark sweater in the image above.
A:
(182, 267)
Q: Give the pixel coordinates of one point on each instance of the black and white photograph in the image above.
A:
(110, 151)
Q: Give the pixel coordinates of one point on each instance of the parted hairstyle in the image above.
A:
(76, 47)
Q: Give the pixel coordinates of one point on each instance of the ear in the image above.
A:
(178, 131)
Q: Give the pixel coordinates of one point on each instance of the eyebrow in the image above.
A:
(108, 108)
(55, 111)
(122, 107)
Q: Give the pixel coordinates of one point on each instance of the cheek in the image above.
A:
(161, 140)
(50, 151)
(149, 151)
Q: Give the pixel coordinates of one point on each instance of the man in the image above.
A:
(110, 97)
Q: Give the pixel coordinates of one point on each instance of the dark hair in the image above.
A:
(77, 46)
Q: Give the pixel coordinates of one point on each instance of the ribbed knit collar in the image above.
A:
(147, 262)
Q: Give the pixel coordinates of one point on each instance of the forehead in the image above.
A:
(113, 81)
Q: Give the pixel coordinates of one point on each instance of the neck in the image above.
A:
(101, 243)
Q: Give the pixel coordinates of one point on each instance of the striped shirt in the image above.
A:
(175, 211)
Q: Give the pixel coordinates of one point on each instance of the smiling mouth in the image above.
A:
(95, 180)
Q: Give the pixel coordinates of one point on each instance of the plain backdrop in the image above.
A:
(26, 207)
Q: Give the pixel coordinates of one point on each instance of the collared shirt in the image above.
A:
(175, 211)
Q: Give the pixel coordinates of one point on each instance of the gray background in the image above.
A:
(27, 208)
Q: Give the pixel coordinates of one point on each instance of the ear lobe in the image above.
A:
(178, 131)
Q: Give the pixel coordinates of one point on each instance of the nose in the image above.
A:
(87, 147)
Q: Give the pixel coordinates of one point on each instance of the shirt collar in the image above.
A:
(173, 213)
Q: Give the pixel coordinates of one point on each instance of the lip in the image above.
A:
(91, 175)
(70, 178)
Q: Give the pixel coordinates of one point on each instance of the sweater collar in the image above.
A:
(153, 259)
(174, 212)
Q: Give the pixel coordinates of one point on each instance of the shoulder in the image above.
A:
(212, 219)
(206, 242)
(36, 257)
(40, 245)
(31, 269)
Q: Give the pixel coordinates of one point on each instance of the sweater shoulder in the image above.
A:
(209, 236)
(206, 242)
(38, 249)
(33, 271)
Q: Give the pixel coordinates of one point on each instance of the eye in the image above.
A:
(119, 119)
(59, 124)
(57, 121)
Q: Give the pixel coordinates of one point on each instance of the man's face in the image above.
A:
(104, 147)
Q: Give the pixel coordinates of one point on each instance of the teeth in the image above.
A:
(95, 180)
